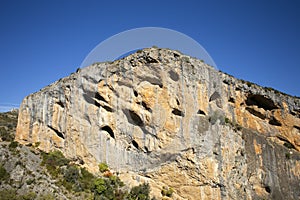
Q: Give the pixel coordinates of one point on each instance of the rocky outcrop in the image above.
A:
(171, 120)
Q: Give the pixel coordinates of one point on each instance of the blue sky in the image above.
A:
(42, 41)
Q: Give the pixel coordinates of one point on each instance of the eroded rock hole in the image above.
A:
(60, 104)
(297, 127)
(90, 100)
(173, 75)
(135, 144)
(256, 113)
(176, 55)
(286, 143)
(201, 112)
(133, 118)
(99, 97)
(135, 93)
(268, 189)
(214, 96)
(175, 111)
(58, 133)
(261, 101)
(146, 106)
(109, 131)
(107, 108)
(274, 121)
(149, 59)
(231, 100)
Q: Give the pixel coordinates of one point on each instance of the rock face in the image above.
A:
(171, 120)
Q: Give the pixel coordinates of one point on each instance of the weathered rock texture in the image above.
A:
(169, 119)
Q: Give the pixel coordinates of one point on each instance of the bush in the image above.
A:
(53, 161)
(140, 192)
(12, 195)
(28, 196)
(103, 167)
(86, 179)
(167, 191)
(46, 197)
(30, 181)
(13, 145)
(4, 175)
(5, 136)
(109, 188)
(8, 195)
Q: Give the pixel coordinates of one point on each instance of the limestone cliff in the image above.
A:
(171, 120)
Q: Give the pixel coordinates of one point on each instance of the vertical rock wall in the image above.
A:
(169, 119)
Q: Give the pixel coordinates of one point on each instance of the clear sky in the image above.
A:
(42, 41)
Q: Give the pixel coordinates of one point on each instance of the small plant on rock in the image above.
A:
(166, 191)
(103, 167)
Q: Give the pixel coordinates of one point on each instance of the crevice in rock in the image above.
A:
(173, 75)
(147, 150)
(231, 100)
(124, 83)
(135, 144)
(176, 55)
(267, 189)
(214, 96)
(286, 143)
(295, 113)
(133, 118)
(99, 97)
(274, 121)
(149, 59)
(146, 107)
(201, 112)
(256, 113)
(260, 101)
(58, 133)
(60, 103)
(152, 80)
(90, 100)
(297, 127)
(107, 108)
(96, 101)
(175, 111)
(135, 93)
(109, 131)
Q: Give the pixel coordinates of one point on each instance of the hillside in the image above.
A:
(27, 173)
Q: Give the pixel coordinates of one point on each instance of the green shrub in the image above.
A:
(37, 144)
(4, 175)
(8, 195)
(54, 159)
(108, 188)
(30, 181)
(103, 167)
(5, 136)
(227, 120)
(46, 197)
(13, 145)
(12, 195)
(86, 179)
(140, 192)
(167, 191)
(28, 196)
